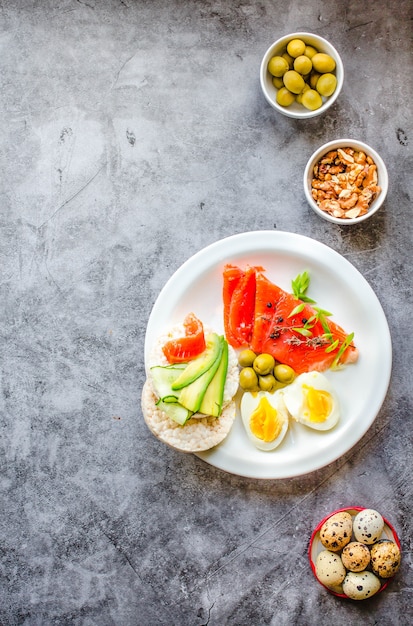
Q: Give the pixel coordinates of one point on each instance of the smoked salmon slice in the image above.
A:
(239, 304)
(299, 340)
(262, 316)
(189, 346)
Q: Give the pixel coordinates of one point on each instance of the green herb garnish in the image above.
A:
(300, 285)
(343, 348)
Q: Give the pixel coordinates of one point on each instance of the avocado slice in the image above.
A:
(200, 364)
(191, 395)
(214, 395)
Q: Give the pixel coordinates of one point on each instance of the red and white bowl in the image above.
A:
(315, 546)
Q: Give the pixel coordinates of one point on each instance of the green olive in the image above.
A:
(310, 51)
(277, 81)
(311, 100)
(303, 65)
(284, 373)
(267, 383)
(314, 76)
(284, 97)
(293, 81)
(289, 60)
(295, 47)
(246, 358)
(264, 364)
(323, 63)
(277, 66)
(248, 379)
(299, 98)
(326, 84)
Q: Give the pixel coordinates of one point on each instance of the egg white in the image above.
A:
(250, 402)
(295, 400)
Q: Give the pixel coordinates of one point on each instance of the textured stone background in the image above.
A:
(133, 134)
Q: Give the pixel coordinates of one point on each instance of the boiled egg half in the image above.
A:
(265, 418)
(312, 401)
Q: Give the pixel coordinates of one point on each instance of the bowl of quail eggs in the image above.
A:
(301, 75)
(354, 553)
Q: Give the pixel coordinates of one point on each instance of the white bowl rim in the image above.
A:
(339, 74)
(383, 179)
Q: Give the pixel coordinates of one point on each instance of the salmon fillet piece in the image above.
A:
(274, 331)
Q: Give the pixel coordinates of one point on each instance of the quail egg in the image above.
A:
(265, 418)
(385, 558)
(368, 526)
(312, 401)
(336, 531)
(329, 568)
(355, 556)
(361, 585)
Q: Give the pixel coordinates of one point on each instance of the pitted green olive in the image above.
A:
(293, 81)
(248, 379)
(311, 100)
(264, 364)
(326, 84)
(284, 373)
(246, 358)
(310, 51)
(303, 65)
(323, 63)
(295, 47)
(284, 97)
(277, 81)
(267, 383)
(277, 66)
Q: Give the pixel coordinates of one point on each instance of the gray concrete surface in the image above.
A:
(133, 134)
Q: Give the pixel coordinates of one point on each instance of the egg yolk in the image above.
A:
(264, 421)
(318, 404)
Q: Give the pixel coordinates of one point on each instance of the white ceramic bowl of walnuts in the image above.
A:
(345, 181)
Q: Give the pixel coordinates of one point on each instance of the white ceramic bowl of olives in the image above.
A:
(301, 75)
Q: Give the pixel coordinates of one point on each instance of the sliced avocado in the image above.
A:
(163, 377)
(191, 395)
(214, 395)
(200, 364)
(175, 411)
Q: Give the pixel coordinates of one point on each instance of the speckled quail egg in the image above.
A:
(355, 556)
(312, 401)
(360, 585)
(336, 531)
(385, 558)
(329, 568)
(368, 526)
(265, 418)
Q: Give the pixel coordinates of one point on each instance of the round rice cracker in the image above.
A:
(197, 435)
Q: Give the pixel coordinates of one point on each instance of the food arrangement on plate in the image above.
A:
(294, 266)
(273, 351)
(354, 553)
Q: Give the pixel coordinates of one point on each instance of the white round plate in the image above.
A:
(336, 286)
